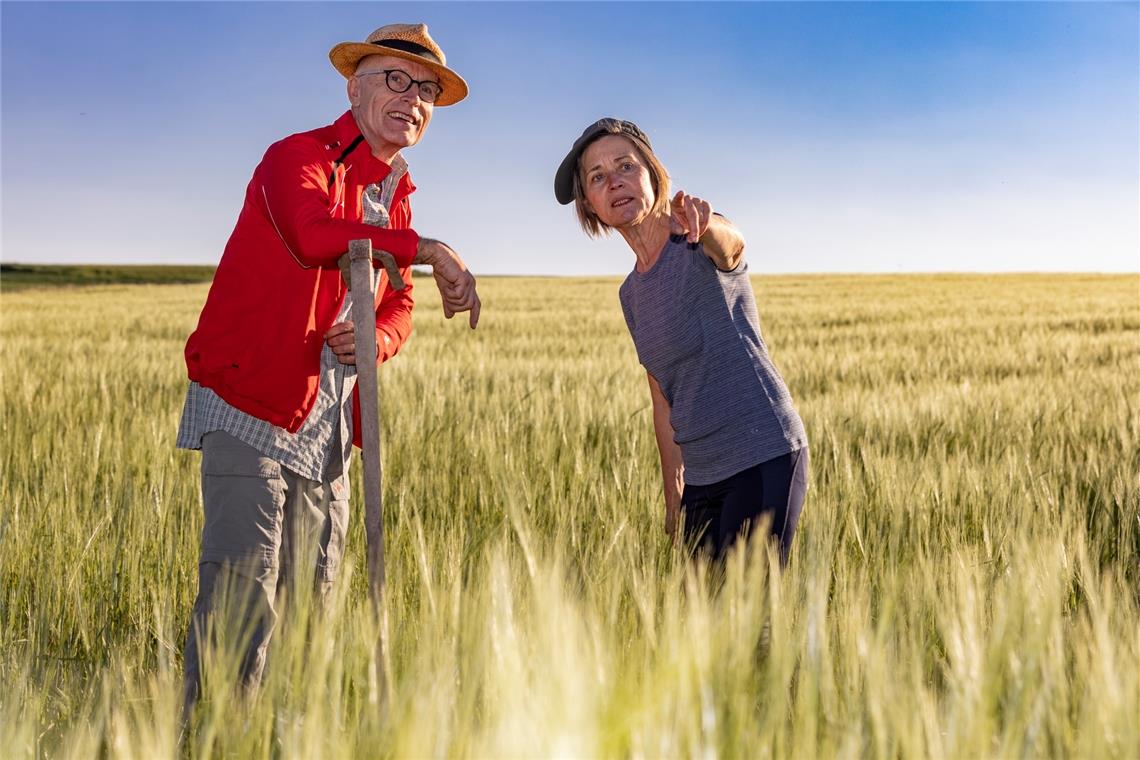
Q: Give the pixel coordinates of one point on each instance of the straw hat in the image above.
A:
(410, 42)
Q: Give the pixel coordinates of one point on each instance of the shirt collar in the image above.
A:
(399, 169)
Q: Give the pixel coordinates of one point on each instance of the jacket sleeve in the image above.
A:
(393, 328)
(291, 186)
(394, 319)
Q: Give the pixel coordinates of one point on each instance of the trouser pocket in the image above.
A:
(315, 537)
(333, 554)
(243, 496)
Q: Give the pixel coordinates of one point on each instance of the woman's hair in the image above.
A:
(658, 177)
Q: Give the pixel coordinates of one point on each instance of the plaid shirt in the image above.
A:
(321, 448)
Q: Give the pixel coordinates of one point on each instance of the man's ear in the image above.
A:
(353, 91)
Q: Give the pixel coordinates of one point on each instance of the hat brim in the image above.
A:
(347, 55)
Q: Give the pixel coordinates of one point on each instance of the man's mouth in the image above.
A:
(402, 117)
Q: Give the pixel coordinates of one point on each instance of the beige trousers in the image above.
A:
(266, 531)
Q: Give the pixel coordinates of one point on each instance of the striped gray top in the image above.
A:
(697, 332)
(321, 447)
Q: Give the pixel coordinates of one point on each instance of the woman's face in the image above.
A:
(619, 188)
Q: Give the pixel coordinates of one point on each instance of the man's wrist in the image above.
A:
(425, 252)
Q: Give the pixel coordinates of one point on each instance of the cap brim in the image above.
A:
(564, 177)
(347, 55)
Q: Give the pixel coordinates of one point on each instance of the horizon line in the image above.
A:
(422, 269)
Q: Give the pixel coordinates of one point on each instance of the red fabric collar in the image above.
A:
(366, 168)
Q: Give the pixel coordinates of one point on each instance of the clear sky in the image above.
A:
(875, 137)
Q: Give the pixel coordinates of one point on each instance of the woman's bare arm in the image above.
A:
(672, 468)
(723, 243)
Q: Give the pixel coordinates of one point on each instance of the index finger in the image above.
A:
(705, 210)
(677, 211)
(474, 318)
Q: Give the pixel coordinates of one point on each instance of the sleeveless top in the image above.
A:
(696, 330)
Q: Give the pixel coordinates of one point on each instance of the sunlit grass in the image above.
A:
(965, 582)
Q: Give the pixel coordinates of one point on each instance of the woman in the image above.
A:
(733, 450)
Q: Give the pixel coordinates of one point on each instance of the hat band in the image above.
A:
(409, 47)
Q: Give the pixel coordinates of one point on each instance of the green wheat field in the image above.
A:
(965, 582)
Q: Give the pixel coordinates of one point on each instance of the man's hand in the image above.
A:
(456, 284)
(342, 341)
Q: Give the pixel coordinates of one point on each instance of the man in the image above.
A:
(271, 400)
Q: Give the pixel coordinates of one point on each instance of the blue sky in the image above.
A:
(849, 137)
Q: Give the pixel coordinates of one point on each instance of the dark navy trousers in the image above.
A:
(718, 514)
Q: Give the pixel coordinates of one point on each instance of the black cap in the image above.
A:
(564, 177)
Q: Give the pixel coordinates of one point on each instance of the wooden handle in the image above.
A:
(362, 286)
(387, 260)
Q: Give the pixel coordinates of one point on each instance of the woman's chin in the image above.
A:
(625, 219)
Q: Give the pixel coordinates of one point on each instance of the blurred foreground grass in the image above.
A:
(965, 582)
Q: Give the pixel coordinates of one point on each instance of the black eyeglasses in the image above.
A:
(399, 81)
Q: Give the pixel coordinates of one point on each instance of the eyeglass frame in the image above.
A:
(418, 82)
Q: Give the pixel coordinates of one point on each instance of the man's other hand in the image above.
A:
(455, 282)
(342, 341)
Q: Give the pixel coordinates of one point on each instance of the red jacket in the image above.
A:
(277, 289)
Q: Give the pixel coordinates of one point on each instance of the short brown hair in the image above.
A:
(658, 177)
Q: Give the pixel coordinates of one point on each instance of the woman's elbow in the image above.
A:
(736, 253)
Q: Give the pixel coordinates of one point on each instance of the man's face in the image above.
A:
(389, 120)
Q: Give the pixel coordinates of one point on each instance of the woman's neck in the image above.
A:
(647, 238)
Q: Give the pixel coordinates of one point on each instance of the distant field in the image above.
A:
(20, 276)
(965, 582)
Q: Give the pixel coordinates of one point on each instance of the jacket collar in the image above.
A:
(361, 166)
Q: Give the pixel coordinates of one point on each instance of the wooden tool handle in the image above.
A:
(387, 260)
